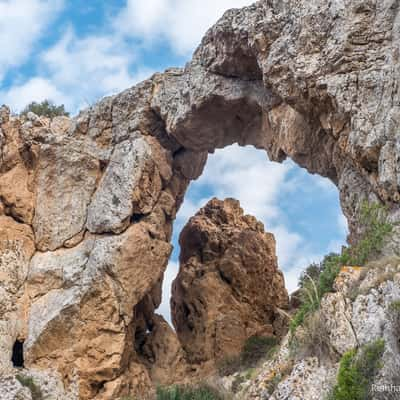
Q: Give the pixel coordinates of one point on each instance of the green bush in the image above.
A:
(394, 315)
(313, 340)
(46, 109)
(311, 272)
(356, 372)
(395, 306)
(373, 218)
(202, 392)
(28, 382)
(254, 349)
(318, 279)
(331, 267)
(313, 288)
(257, 348)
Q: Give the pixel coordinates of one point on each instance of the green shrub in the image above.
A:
(28, 382)
(299, 317)
(318, 279)
(395, 306)
(254, 349)
(348, 380)
(313, 288)
(394, 315)
(356, 372)
(311, 272)
(250, 373)
(257, 348)
(202, 392)
(46, 108)
(313, 340)
(373, 218)
(331, 268)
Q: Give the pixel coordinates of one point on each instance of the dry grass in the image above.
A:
(255, 350)
(377, 272)
(313, 339)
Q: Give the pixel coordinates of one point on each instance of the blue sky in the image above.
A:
(76, 52)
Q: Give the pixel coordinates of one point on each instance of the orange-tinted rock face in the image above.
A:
(229, 285)
(162, 354)
(87, 203)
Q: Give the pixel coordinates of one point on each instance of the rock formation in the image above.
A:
(349, 321)
(162, 354)
(87, 204)
(78, 268)
(228, 287)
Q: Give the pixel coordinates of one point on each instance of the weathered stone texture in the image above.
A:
(229, 286)
(92, 198)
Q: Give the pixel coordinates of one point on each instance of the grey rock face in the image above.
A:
(113, 202)
(66, 179)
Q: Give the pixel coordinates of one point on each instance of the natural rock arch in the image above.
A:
(313, 81)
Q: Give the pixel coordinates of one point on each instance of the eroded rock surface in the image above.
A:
(359, 312)
(315, 81)
(97, 246)
(229, 286)
(163, 355)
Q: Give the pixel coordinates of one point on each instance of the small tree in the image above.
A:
(311, 272)
(46, 109)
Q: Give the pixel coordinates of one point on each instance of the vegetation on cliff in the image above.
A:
(28, 382)
(201, 392)
(255, 348)
(357, 371)
(46, 109)
(318, 279)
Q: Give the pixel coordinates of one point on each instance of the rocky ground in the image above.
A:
(359, 312)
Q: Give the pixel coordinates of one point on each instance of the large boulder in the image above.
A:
(229, 287)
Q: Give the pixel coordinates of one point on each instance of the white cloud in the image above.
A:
(246, 174)
(35, 89)
(78, 71)
(181, 23)
(22, 23)
(95, 62)
(342, 224)
(81, 69)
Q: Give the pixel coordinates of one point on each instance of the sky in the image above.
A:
(74, 52)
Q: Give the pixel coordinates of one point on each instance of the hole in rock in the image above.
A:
(98, 386)
(301, 210)
(18, 354)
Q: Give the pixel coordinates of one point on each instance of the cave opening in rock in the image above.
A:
(18, 354)
(302, 210)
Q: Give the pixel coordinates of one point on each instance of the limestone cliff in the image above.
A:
(359, 312)
(87, 204)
